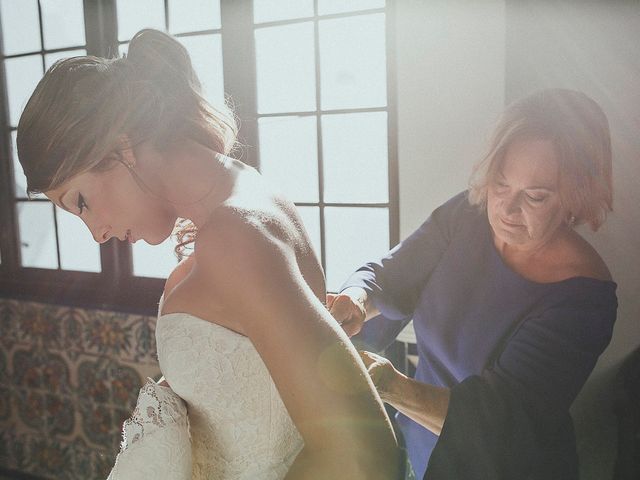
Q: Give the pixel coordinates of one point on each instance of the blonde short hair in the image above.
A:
(579, 131)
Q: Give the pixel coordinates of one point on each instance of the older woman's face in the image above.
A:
(523, 204)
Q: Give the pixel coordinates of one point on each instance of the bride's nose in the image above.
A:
(101, 234)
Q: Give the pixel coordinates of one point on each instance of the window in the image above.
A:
(46, 232)
(197, 25)
(308, 80)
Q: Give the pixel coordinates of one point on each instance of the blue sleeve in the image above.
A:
(394, 282)
(550, 356)
(378, 334)
(512, 421)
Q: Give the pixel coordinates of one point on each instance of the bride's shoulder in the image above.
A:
(238, 235)
(179, 272)
(236, 223)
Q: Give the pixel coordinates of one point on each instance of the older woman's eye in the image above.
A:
(81, 204)
(499, 186)
(534, 199)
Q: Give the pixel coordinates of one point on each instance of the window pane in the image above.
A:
(193, 15)
(37, 234)
(78, 250)
(285, 68)
(23, 74)
(154, 260)
(20, 26)
(288, 155)
(139, 14)
(353, 62)
(206, 57)
(51, 58)
(18, 174)
(311, 219)
(354, 147)
(354, 236)
(326, 7)
(272, 10)
(62, 23)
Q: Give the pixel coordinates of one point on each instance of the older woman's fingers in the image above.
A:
(368, 358)
(365, 358)
(342, 308)
(351, 327)
(330, 298)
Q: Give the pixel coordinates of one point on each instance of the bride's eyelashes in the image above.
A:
(81, 204)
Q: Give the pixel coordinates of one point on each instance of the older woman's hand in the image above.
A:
(348, 310)
(423, 403)
(384, 375)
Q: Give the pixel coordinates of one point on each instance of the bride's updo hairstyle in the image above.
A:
(76, 117)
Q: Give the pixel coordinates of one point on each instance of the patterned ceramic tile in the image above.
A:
(9, 317)
(68, 379)
(41, 369)
(5, 404)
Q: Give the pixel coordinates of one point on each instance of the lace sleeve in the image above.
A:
(155, 439)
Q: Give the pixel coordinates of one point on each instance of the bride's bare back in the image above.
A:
(253, 202)
(253, 271)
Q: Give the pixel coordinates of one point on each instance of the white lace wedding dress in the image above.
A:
(221, 419)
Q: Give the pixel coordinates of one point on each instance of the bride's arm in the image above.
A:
(318, 373)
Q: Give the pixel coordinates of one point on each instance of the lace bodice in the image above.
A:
(155, 439)
(239, 426)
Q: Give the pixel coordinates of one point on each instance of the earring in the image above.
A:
(126, 164)
(571, 221)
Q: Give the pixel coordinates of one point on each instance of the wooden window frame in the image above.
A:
(115, 287)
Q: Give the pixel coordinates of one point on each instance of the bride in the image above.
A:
(261, 382)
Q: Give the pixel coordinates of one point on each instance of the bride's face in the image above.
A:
(111, 204)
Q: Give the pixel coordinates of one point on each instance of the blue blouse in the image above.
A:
(476, 317)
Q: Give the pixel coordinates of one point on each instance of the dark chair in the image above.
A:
(627, 410)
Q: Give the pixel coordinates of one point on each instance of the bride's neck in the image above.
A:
(199, 181)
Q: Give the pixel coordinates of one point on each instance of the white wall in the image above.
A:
(458, 63)
(450, 82)
(592, 46)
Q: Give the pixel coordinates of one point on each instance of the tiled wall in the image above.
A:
(68, 379)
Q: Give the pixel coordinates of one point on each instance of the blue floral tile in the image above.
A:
(5, 404)
(60, 415)
(4, 376)
(99, 425)
(41, 369)
(40, 327)
(31, 408)
(105, 381)
(73, 322)
(9, 317)
(145, 344)
(48, 457)
(108, 334)
(68, 379)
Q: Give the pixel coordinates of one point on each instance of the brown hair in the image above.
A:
(579, 131)
(80, 109)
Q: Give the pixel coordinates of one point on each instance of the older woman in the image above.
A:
(511, 306)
